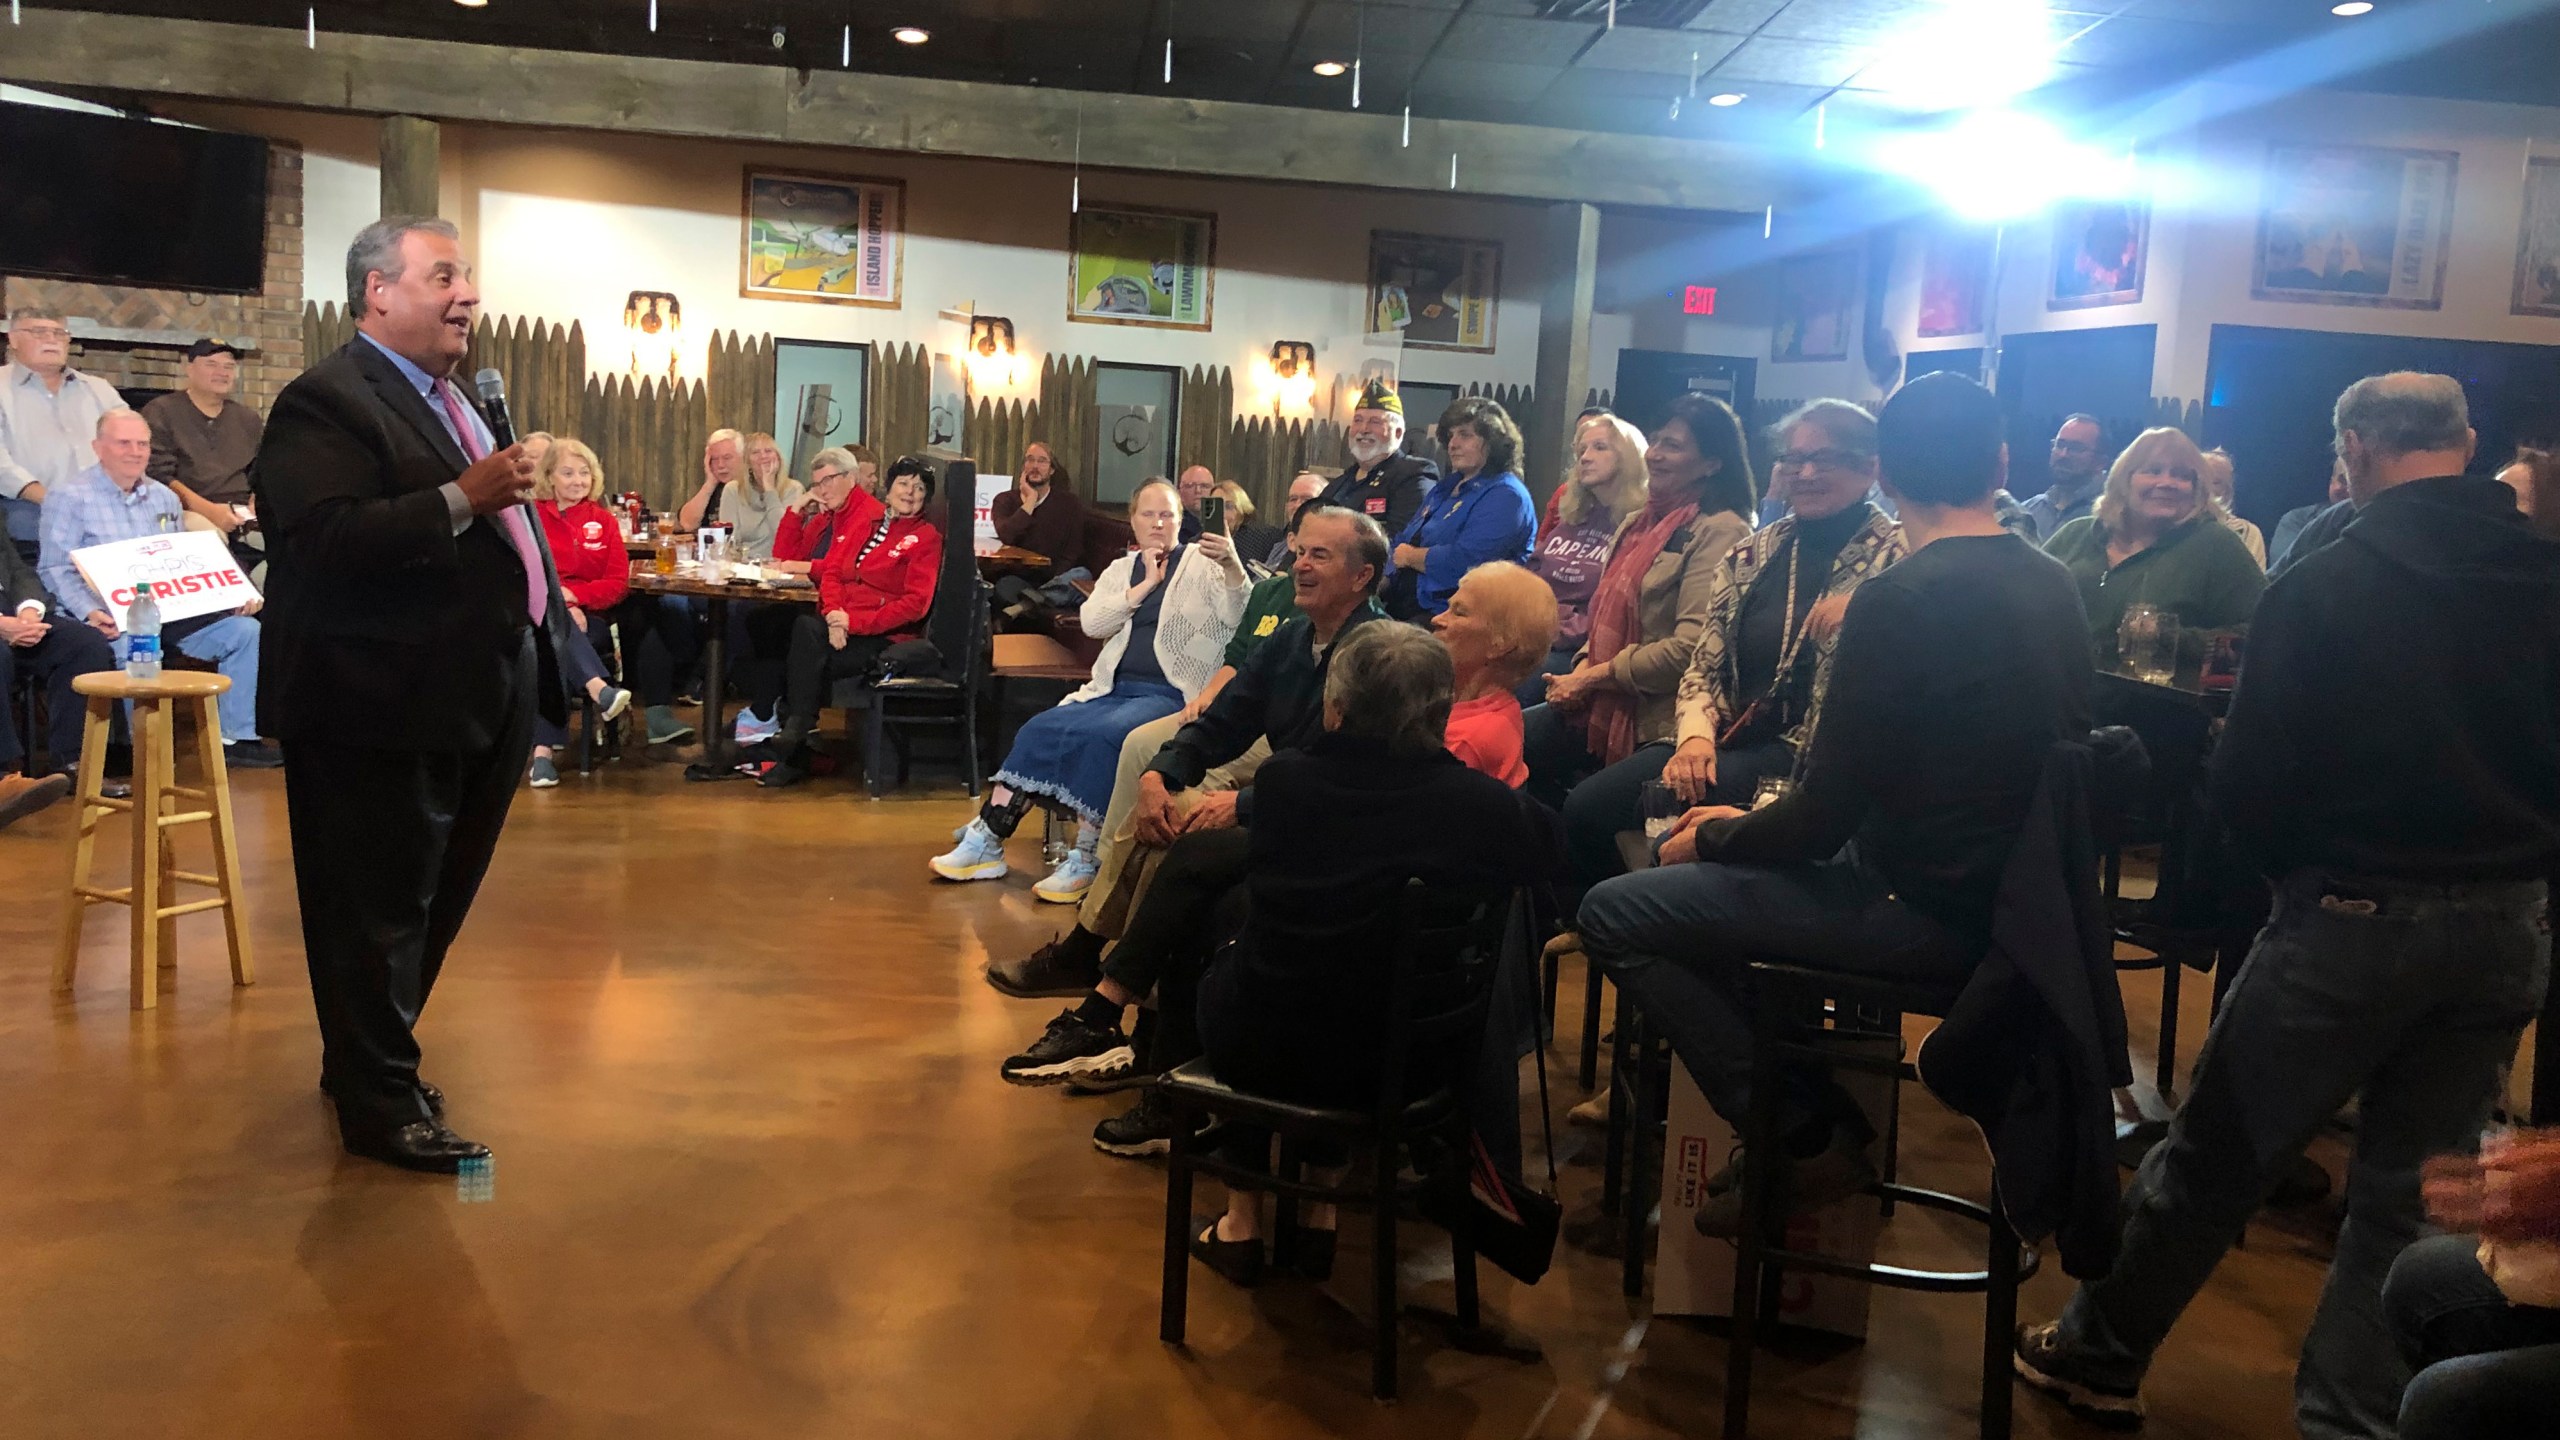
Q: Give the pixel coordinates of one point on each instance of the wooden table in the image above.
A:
(645, 580)
(1011, 560)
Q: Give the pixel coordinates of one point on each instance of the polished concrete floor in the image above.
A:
(756, 1176)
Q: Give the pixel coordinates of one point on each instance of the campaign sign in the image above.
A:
(989, 487)
(190, 571)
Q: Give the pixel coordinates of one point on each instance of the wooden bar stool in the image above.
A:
(154, 809)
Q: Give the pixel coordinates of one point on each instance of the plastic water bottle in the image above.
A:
(142, 635)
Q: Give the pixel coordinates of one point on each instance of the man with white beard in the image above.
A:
(1382, 482)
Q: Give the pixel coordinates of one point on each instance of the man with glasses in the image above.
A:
(2078, 465)
(49, 413)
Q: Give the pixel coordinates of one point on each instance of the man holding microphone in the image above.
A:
(412, 616)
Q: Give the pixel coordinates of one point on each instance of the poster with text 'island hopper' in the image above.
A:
(829, 238)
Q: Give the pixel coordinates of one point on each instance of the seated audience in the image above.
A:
(1477, 512)
(2535, 477)
(1166, 612)
(1042, 514)
(115, 499)
(1382, 481)
(2389, 762)
(1584, 516)
(2296, 520)
(2477, 1313)
(1331, 578)
(2152, 540)
(1606, 728)
(1753, 690)
(754, 507)
(1498, 627)
(1255, 540)
(872, 592)
(595, 575)
(2077, 464)
(2216, 474)
(1957, 671)
(49, 413)
(1304, 490)
(675, 622)
(39, 639)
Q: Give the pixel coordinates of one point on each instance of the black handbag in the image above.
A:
(1507, 1221)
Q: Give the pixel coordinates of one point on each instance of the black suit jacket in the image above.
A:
(19, 584)
(383, 627)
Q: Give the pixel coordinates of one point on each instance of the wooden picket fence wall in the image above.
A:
(901, 410)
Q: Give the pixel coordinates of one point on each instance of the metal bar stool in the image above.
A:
(1784, 994)
(155, 809)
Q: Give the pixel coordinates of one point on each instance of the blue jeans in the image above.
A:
(231, 644)
(2485, 1369)
(2409, 995)
(584, 661)
(1680, 940)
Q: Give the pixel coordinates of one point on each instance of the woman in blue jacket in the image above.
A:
(1478, 512)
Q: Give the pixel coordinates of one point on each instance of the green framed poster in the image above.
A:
(1135, 265)
(831, 238)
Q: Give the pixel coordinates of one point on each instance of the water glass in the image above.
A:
(1057, 835)
(1770, 791)
(1660, 806)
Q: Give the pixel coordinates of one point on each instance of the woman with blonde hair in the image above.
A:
(1254, 539)
(586, 550)
(2217, 477)
(1580, 528)
(2153, 540)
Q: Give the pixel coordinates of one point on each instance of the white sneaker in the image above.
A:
(978, 856)
(611, 704)
(754, 730)
(1074, 876)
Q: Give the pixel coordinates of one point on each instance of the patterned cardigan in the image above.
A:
(1708, 692)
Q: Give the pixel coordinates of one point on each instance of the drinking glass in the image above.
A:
(2157, 664)
(1770, 791)
(1660, 806)
(1057, 835)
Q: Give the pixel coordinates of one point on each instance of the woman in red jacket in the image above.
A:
(595, 574)
(871, 594)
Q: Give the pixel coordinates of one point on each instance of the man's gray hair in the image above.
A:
(2406, 412)
(1393, 684)
(111, 414)
(834, 457)
(1851, 427)
(1368, 544)
(377, 249)
(36, 312)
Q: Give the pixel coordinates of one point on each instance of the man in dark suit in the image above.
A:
(412, 628)
(36, 638)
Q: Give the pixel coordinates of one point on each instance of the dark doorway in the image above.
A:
(2044, 377)
(1649, 380)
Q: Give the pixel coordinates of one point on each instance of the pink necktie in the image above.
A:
(511, 520)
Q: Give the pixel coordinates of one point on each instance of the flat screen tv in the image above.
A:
(113, 201)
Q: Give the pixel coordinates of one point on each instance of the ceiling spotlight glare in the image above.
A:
(1330, 68)
(1725, 101)
(2353, 8)
(470, 4)
(911, 34)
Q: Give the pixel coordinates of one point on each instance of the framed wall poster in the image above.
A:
(2100, 250)
(1132, 265)
(2538, 242)
(2351, 225)
(1817, 310)
(832, 238)
(1437, 291)
(1954, 279)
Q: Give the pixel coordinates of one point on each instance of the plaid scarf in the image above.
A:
(1617, 621)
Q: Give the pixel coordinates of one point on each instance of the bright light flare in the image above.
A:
(1998, 164)
(1965, 53)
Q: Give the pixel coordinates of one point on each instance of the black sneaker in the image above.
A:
(1068, 1048)
(2041, 1361)
(1063, 969)
(1145, 1128)
(1136, 1077)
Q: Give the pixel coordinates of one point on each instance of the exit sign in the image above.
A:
(1698, 300)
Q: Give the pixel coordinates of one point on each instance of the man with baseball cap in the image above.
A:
(1382, 482)
(202, 441)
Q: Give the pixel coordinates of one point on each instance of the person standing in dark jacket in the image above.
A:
(1382, 482)
(1957, 671)
(2392, 757)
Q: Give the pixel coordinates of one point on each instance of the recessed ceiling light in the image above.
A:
(911, 34)
(2353, 8)
(470, 4)
(1330, 68)
(1727, 100)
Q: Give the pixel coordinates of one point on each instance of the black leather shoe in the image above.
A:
(1240, 1261)
(1065, 968)
(424, 1145)
(433, 1096)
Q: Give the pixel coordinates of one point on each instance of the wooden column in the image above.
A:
(1570, 235)
(410, 152)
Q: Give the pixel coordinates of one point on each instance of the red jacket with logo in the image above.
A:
(797, 537)
(889, 591)
(586, 547)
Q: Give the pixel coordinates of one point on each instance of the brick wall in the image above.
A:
(272, 319)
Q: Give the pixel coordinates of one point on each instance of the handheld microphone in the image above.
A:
(493, 405)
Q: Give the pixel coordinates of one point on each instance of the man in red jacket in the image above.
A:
(872, 592)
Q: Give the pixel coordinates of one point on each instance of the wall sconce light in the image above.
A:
(655, 321)
(994, 363)
(1293, 372)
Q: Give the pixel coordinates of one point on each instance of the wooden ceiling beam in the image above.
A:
(442, 80)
